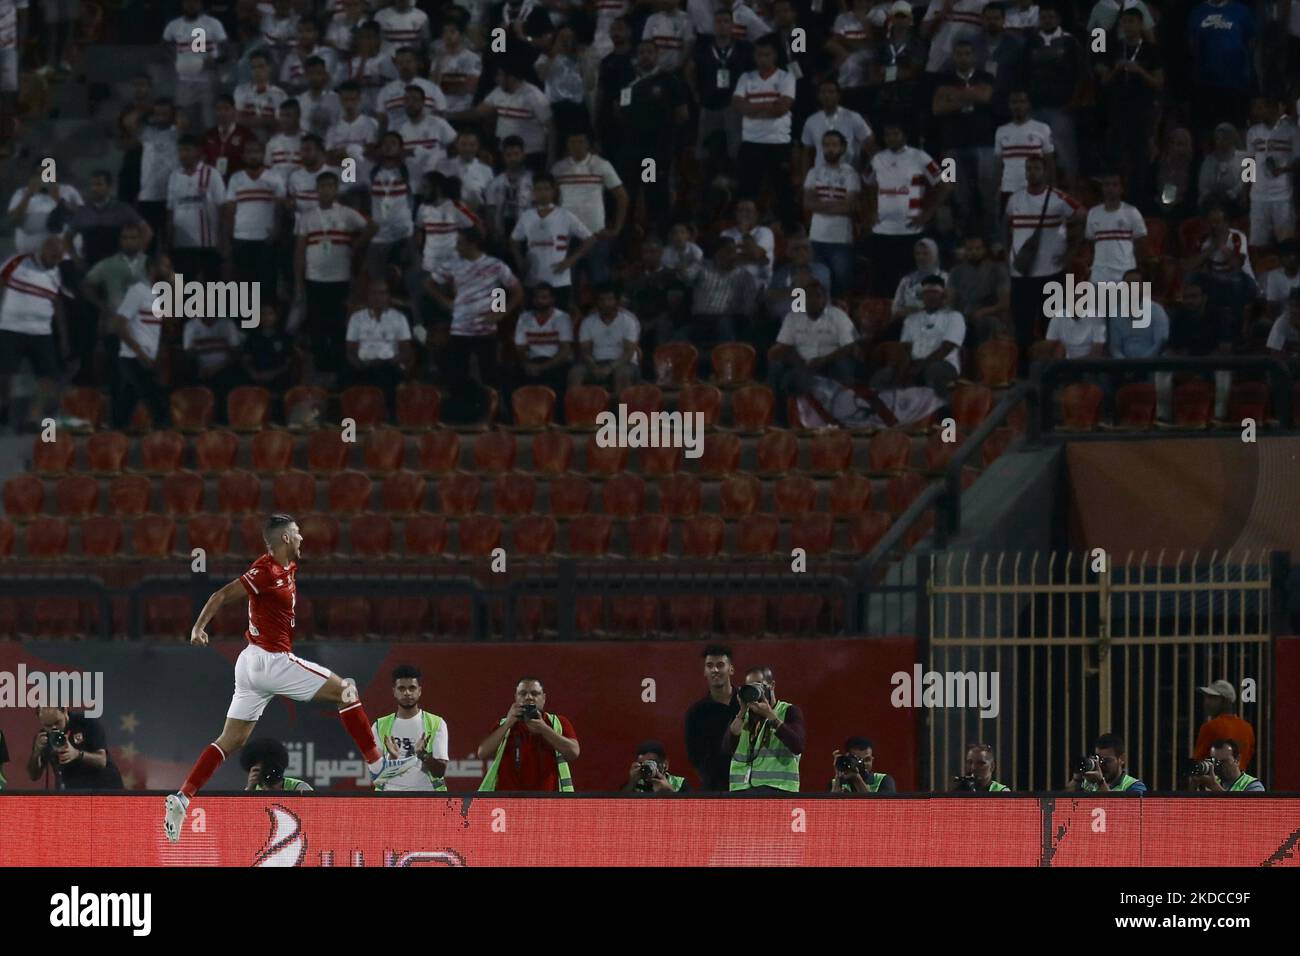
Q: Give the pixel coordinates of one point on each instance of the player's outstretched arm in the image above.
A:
(232, 592)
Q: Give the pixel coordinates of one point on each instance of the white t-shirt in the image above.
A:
(832, 184)
(1284, 336)
(195, 201)
(158, 157)
(607, 341)
(673, 37)
(1282, 143)
(255, 201)
(145, 327)
(406, 733)
(425, 142)
(813, 338)
(400, 28)
(965, 21)
(263, 103)
(330, 234)
(293, 72)
(31, 232)
(439, 223)
(371, 74)
(390, 204)
(1014, 143)
(378, 338)
(524, 113)
(1112, 235)
(352, 137)
(183, 36)
(30, 292)
(474, 282)
(1078, 335)
(209, 342)
(927, 331)
(1278, 286)
(846, 122)
(318, 112)
(542, 340)
(583, 185)
(548, 242)
(391, 100)
(1018, 19)
(901, 179)
(754, 89)
(1025, 211)
(459, 70)
(765, 240)
(474, 177)
(302, 187)
(1238, 245)
(284, 154)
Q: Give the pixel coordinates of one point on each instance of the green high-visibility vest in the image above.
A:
(291, 784)
(873, 785)
(432, 722)
(775, 765)
(1125, 782)
(1241, 783)
(994, 786)
(561, 762)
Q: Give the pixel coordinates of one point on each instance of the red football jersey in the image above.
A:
(272, 603)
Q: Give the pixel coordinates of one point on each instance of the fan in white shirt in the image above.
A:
(520, 108)
(391, 99)
(328, 236)
(1014, 142)
(258, 101)
(672, 33)
(543, 237)
(437, 224)
(425, 137)
(353, 136)
(318, 106)
(195, 195)
(832, 116)
(474, 174)
(475, 279)
(456, 70)
(1082, 336)
(284, 149)
(755, 244)
(302, 181)
(252, 197)
(30, 208)
(906, 181)
(403, 25)
(831, 193)
(1116, 230)
(1275, 143)
(370, 66)
(379, 333)
(198, 40)
(584, 178)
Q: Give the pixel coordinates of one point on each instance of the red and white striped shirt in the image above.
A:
(547, 235)
(583, 185)
(195, 199)
(30, 294)
(302, 187)
(1112, 233)
(1026, 211)
(254, 198)
(901, 180)
(542, 338)
(391, 100)
(263, 103)
(1016, 142)
(330, 237)
(457, 75)
(400, 28)
(832, 184)
(390, 203)
(757, 89)
(439, 223)
(475, 282)
(965, 19)
(673, 37)
(524, 113)
(136, 308)
(284, 154)
(1236, 244)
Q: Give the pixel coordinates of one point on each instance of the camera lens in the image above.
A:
(750, 693)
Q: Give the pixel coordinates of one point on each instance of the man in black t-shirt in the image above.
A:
(268, 355)
(82, 762)
(649, 109)
(709, 717)
(1131, 79)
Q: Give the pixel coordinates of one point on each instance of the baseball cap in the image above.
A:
(1221, 688)
(900, 7)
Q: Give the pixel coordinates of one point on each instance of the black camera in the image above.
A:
(965, 784)
(750, 693)
(1087, 764)
(530, 712)
(649, 770)
(58, 739)
(270, 776)
(1204, 768)
(850, 763)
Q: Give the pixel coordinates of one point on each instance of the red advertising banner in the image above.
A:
(498, 830)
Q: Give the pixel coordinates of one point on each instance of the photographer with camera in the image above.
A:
(709, 717)
(1222, 773)
(73, 746)
(1104, 771)
(530, 750)
(266, 760)
(853, 773)
(765, 739)
(649, 773)
(977, 776)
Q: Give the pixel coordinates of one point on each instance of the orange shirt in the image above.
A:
(1226, 727)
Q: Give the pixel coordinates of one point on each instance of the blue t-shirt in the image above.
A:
(1220, 36)
(1128, 342)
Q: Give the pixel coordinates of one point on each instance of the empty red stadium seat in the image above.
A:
(494, 452)
(439, 451)
(238, 492)
(702, 399)
(874, 312)
(248, 408)
(744, 615)
(740, 495)
(797, 613)
(1046, 351)
(371, 535)
(680, 496)
(347, 617)
(192, 408)
(732, 363)
(552, 452)
(756, 534)
(582, 403)
(349, 492)
(675, 364)
(533, 535)
(250, 536)
(634, 614)
(533, 406)
(690, 613)
(320, 535)
(53, 457)
(995, 362)
(751, 408)
(996, 444)
(87, 404)
(831, 452)
(813, 532)
(971, 404)
(304, 404)
(647, 536)
(402, 492)
(778, 452)
(8, 535)
(106, 452)
(294, 492)
(418, 405)
(794, 496)
(589, 613)
(902, 490)
(402, 616)
(604, 462)
(513, 494)
(1135, 405)
(646, 397)
(211, 532)
(866, 530)
(153, 536)
(384, 450)
(721, 455)
(589, 535)
(55, 617)
(129, 495)
(459, 494)
(938, 453)
(1080, 406)
(326, 450)
(24, 497)
(850, 494)
(272, 451)
(100, 537)
(424, 535)
(659, 462)
(569, 496)
(479, 535)
(364, 404)
(624, 496)
(182, 493)
(167, 615)
(890, 450)
(1193, 403)
(161, 452)
(1248, 400)
(455, 615)
(702, 536)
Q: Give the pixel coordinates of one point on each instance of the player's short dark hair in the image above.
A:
(103, 174)
(348, 86)
(761, 669)
(393, 134)
(404, 49)
(1230, 744)
(274, 525)
(259, 54)
(407, 672)
(543, 285)
(513, 140)
(326, 176)
(531, 680)
(313, 138)
(474, 235)
(225, 98)
(719, 650)
(829, 81)
(188, 140)
(267, 751)
(652, 747)
(544, 178)
(838, 135)
(291, 104)
(768, 42)
(859, 743)
(1111, 742)
(312, 61)
(368, 25)
(413, 86)
(605, 288)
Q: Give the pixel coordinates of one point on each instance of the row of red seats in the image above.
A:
(1192, 405)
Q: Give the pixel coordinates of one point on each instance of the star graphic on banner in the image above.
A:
(128, 752)
(129, 780)
(129, 722)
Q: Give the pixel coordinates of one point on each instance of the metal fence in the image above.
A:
(1084, 644)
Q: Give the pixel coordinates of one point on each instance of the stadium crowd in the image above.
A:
(544, 191)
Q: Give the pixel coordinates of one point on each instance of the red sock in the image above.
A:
(207, 764)
(357, 724)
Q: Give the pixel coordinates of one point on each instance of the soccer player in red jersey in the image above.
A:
(267, 667)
